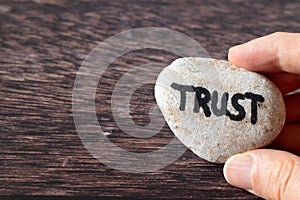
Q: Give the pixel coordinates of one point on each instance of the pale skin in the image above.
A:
(269, 173)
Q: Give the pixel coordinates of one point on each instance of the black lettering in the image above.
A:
(214, 101)
(183, 89)
(202, 101)
(254, 99)
(234, 100)
(203, 97)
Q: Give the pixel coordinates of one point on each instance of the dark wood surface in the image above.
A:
(42, 45)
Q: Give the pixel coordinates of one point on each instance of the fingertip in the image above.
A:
(233, 53)
(273, 174)
(272, 53)
(240, 55)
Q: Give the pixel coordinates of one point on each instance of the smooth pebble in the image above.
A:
(217, 109)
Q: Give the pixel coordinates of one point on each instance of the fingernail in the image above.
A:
(237, 171)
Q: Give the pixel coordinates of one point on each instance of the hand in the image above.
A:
(272, 174)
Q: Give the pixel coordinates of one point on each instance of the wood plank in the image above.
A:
(42, 46)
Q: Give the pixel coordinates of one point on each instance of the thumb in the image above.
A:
(267, 173)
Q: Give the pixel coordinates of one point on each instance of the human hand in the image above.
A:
(272, 174)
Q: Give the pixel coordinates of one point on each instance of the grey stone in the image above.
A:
(210, 107)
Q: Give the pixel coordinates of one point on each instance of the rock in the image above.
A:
(217, 109)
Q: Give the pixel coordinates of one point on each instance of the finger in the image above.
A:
(292, 105)
(270, 174)
(286, 82)
(288, 139)
(272, 53)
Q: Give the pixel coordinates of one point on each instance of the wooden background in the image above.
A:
(42, 45)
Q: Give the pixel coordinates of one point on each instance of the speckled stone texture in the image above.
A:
(252, 115)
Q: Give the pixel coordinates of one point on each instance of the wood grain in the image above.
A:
(42, 46)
